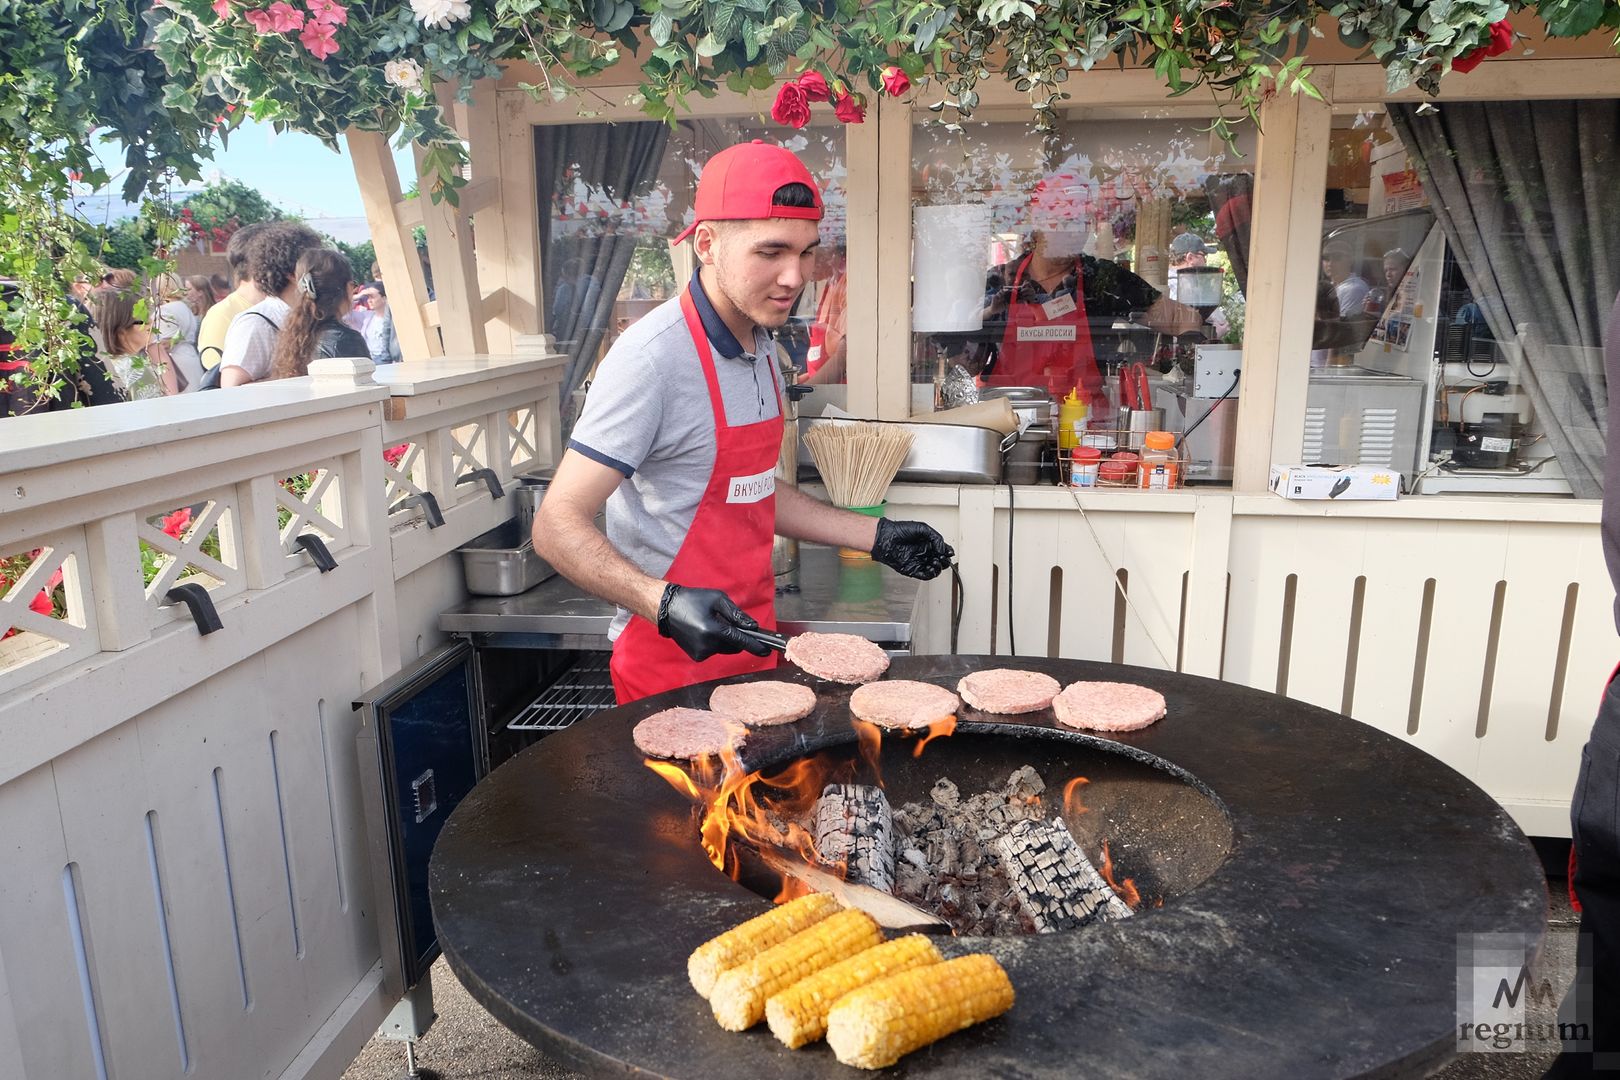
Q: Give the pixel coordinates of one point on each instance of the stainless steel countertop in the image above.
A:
(836, 596)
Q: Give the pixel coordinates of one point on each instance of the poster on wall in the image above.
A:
(1403, 191)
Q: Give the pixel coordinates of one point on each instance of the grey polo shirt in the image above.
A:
(648, 416)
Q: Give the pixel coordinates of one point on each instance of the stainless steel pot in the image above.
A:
(940, 454)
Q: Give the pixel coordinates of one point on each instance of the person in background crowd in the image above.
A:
(1186, 251)
(211, 334)
(1349, 287)
(136, 374)
(272, 260)
(1395, 260)
(89, 385)
(199, 296)
(117, 278)
(219, 286)
(80, 289)
(314, 328)
(1594, 856)
(381, 340)
(173, 349)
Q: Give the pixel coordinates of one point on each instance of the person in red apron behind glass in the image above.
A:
(1057, 306)
(679, 438)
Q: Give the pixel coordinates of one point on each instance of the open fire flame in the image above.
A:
(1126, 890)
(760, 809)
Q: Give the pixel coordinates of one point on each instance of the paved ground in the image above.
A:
(466, 1043)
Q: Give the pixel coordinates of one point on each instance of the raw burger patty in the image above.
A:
(1004, 690)
(841, 658)
(901, 703)
(686, 734)
(1108, 706)
(760, 704)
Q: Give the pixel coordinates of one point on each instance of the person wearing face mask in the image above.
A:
(680, 436)
(1047, 311)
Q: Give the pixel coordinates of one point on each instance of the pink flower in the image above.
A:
(320, 39)
(815, 86)
(395, 454)
(329, 12)
(42, 604)
(850, 109)
(792, 106)
(175, 524)
(261, 20)
(222, 8)
(895, 81)
(284, 17)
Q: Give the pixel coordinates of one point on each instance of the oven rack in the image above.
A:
(583, 690)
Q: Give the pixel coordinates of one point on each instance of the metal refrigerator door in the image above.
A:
(421, 752)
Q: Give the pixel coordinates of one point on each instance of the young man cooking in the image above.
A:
(680, 436)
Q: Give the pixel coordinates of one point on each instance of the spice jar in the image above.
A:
(1118, 471)
(1158, 469)
(1084, 464)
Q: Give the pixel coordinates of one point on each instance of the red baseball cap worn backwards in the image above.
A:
(739, 182)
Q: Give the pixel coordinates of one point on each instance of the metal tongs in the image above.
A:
(765, 637)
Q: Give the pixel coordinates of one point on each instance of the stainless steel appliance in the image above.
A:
(940, 454)
(1358, 416)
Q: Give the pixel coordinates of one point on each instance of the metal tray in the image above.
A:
(502, 562)
(940, 454)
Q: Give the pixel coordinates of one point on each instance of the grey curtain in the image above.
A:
(582, 272)
(1527, 196)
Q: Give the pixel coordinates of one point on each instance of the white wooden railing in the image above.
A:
(183, 887)
(1481, 630)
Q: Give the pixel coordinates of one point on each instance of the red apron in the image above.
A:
(728, 547)
(1048, 344)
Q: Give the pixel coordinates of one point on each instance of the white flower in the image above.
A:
(405, 74)
(440, 14)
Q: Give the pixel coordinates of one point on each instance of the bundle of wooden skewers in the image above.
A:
(857, 461)
(813, 969)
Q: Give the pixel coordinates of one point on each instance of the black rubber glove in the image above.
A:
(912, 548)
(704, 622)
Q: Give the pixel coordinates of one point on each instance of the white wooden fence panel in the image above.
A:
(185, 886)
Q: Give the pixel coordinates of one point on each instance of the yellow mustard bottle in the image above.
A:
(1072, 414)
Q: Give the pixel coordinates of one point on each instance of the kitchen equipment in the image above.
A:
(421, 750)
(1031, 404)
(765, 637)
(940, 454)
(1357, 416)
(1207, 450)
(502, 562)
(1025, 457)
(528, 494)
(1138, 422)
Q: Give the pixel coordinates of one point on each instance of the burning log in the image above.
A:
(855, 832)
(1056, 885)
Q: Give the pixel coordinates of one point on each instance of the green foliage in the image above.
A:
(360, 257)
(228, 201)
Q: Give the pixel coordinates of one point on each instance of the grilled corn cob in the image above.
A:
(743, 943)
(739, 995)
(798, 1015)
(875, 1026)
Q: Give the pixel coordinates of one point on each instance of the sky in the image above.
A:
(295, 171)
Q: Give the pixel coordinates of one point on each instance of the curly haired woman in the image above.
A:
(314, 328)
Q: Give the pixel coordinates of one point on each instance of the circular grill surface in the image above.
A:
(569, 887)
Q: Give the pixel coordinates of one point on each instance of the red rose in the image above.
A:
(1501, 38)
(1469, 61)
(792, 106)
(815, 87)
(895, 81)
(850, 109)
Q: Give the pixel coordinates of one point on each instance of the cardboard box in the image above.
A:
(1330, 482)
